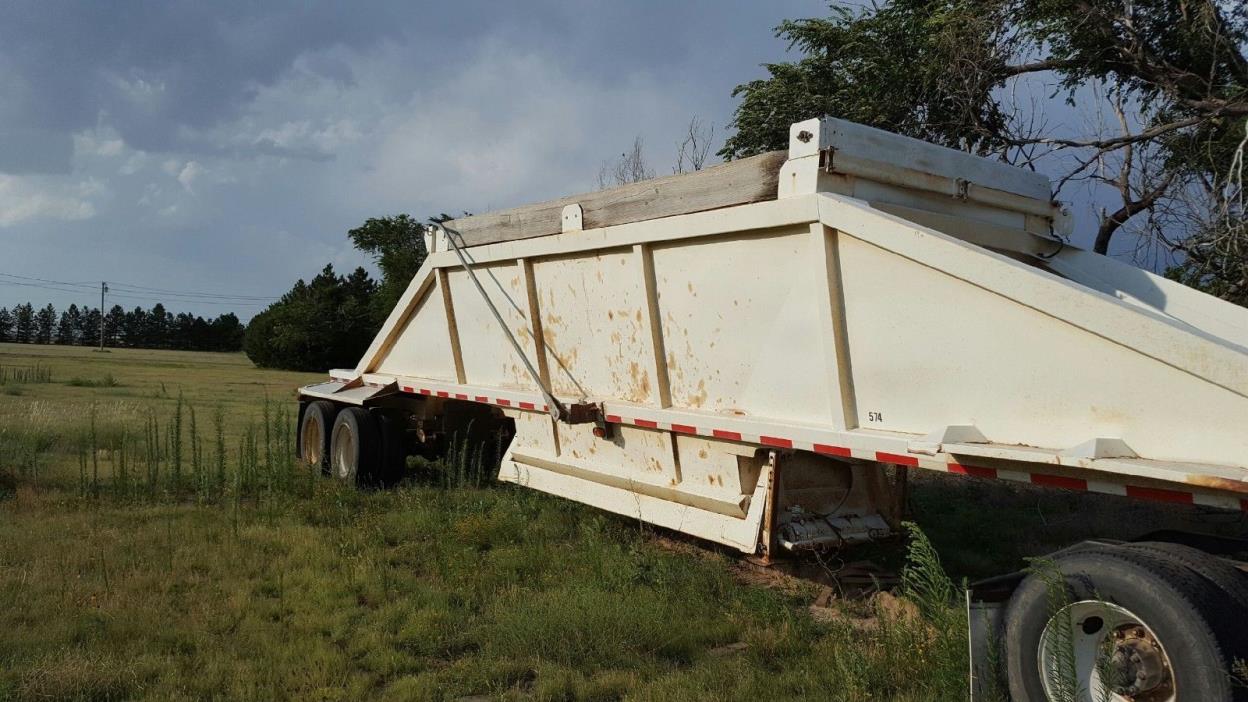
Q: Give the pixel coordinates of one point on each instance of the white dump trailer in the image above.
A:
(755, 354)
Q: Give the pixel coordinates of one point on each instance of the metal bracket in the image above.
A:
(963, 189)
(767, 541)
(583, 413)
(573, 218)
(826, 157)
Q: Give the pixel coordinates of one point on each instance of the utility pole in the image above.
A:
(103, 289)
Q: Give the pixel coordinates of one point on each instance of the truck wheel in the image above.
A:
(354, 444)
(1223, 575)
(1137, 626)
(314, 429)
(392, 458)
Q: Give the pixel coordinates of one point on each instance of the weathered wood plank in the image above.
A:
(739, 182)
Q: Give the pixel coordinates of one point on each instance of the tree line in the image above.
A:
(156, 328)
(329, 321)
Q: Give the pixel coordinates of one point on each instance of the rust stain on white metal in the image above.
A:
(1216, 483)
(697, 400)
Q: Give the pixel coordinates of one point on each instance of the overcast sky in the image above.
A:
(229, 146)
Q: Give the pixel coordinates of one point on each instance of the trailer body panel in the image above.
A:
(895, 304)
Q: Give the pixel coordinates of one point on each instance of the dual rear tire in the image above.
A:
(352, 444)
(1140, 622)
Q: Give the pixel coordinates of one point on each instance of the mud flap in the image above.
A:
(983, 621)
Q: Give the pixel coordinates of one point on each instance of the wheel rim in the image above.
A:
(1116, 656)
(344, 452)
(312, 442)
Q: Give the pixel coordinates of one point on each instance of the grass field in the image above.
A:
(157, 542)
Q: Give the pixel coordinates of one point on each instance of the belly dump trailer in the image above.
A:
(755, 354)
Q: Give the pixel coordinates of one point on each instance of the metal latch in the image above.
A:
(582, 413)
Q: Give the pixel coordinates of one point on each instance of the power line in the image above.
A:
(190, 292)
(221, 303)
(45, 280)
(40, 285)
(136, 292)
(197, 296)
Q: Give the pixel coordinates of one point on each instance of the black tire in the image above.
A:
(315, 424)
(354, 446)
(392, 456)
(1188, 615)
(1223, 575)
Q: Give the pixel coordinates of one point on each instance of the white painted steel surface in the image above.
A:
(922, 316)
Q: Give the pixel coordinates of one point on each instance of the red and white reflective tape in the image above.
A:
(948, 464)
(739, 431)
(489, 396)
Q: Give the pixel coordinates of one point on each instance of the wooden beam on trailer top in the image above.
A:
(738, 182)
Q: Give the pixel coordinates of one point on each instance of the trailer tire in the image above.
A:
(354, 446)
(1223, 575)
(1156, 609)
(392, 451)
(315, 424)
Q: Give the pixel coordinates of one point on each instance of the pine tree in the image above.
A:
(45, 324)
(24, 326)
(6, 324)
(114, 323)
(226, 333)
(158, 323)
(67, 330)
(89, 327)
(321, 324)
(134, 328)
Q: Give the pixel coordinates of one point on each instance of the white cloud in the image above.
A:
(30, 199)
(503, 126)
(189, 174)
(98, 143)
(111, 147)
(136, 89)
(133, 164)
(323, 136)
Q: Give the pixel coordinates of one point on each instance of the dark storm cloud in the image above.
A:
(156, 67)
(230, 145)
(32, 150)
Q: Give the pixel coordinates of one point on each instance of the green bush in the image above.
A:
(327, 323)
